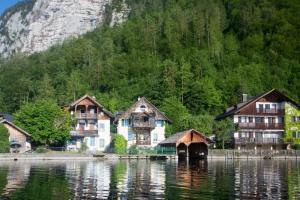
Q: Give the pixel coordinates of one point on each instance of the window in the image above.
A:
(143, 108)
(261, 107)
(92, 141)
(296, 134)
(267, 106)
(274, 106)
(250, 119)
(125, 122)
(295, 119)
(101, 143)
(101, 127)
(242, 119)
(155, 137)
(159, 123)
(259, 119)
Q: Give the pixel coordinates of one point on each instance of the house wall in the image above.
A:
(15, 134)
(103, 135)
(290, 126)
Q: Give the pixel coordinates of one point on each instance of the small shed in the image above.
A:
(18, 138)
(189, 143)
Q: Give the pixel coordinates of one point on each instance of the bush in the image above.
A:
(120, 144)
(4, 141)
(133, 150)
(83, 148)
(41, 150)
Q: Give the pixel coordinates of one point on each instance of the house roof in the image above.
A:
(7, 116)
(177, 136)
(94, 101)
(235, 109)
(15, 126)
(159, 114)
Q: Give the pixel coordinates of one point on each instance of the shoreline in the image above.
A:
(90, 157)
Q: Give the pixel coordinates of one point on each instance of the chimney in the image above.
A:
(94, 97)
(139, 98)
(244, 98)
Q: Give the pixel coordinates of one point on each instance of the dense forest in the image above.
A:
(191, 58)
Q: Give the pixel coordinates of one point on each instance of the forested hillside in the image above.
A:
(191, 58)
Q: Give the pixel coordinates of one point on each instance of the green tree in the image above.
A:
(177, 112)
(45, 121)
(119, 144)
(224, 130)
(4, 139)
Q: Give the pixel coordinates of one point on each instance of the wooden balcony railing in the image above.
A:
(258, 140)
(84, 133)
(261, 125)
(143, 142)
(142, 124)
(269, 111)
(86, 115)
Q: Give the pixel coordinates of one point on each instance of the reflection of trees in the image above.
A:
(3, 178)
(45, 183)
(293, 179)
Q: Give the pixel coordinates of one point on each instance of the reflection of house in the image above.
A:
(18, 138)
(92, 124)
(190, 143)
(142, 124)
(89, 180)
(261, 180)
(141, 180)
(17, 177)
(262, 121)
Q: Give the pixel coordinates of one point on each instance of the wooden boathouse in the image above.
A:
(189, 143)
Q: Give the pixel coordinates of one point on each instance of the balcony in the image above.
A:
(269, 111)
(137, 124)
(143, 142)
(258, 140)
(261, 125)
(84, 133)
(86, 115)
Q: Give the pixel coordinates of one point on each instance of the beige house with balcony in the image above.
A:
(91, 125)
(142, 124)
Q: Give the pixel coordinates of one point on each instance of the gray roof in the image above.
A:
(6, 116)
(177, 136)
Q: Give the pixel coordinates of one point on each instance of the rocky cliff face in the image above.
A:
(35, 25)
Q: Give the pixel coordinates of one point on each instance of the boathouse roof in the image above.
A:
(177, 137)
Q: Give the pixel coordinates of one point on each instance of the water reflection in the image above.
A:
(150, 179)
(17, 176)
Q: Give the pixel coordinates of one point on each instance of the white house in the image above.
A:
(142, 124)
(92, 125)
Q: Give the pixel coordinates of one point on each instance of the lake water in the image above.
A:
(42, 180)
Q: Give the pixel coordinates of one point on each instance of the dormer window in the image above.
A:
(143, 108)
